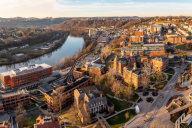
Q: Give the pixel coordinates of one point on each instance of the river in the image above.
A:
(71, 45)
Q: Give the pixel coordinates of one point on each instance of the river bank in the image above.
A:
(32, 54)
(71, 46)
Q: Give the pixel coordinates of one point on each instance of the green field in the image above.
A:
(118, 120)
(180, 46)
(170, 71)
(30, 107)
(120, 105)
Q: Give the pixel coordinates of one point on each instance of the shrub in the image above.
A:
(61, 122)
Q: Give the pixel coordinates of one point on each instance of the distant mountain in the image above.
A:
(48, 21)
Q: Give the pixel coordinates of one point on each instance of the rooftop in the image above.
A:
(4, 117)
(26, 70)
(13, 93)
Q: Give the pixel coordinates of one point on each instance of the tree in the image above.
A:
(59, 98)
(145, 81)
(20, 113)
(127, 115)
(116, 88)
(129, 92)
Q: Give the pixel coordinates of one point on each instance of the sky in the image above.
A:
(94, 8)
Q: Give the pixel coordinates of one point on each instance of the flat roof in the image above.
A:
(12, 93)
(26, 70)
(4, 117)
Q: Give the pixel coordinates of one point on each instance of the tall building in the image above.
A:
(126, 60)
(25, 75)
(133, 75)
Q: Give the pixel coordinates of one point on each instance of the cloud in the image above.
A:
(129, 8)
(26, 8)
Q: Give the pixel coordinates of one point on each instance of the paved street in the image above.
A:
(157, 112)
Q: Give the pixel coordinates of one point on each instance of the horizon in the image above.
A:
(99, 8)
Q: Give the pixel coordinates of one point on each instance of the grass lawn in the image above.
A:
(169, 77)
(42, 98)
(32, 120)
(160, 85)
(120, 105)
(118, 120)
(180, 46)
(30, 107)
(154, 79)
(135, 98)
(170, 71)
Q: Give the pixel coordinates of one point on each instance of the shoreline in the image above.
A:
(59, 45)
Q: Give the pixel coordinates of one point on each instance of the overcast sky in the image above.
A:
(83, 8)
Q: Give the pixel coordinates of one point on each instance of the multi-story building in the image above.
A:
(67, 92)
(90, 68)
(160, 63)
(133, 75)
(5, 121)
(25, 75)
(90, 101)
(176, 39)
(145, 49)
(47, 122)
(10, 100)
(126, 60)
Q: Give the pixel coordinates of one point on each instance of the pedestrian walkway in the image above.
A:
(180, 108)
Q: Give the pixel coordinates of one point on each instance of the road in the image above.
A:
(167, 92)
(156, 111)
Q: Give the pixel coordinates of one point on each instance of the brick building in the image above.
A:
(138, 37)
(176, 39)
(90, 68)
(10, 100)
(67, 93)
(160, 63)
(145, 49)
(90, 101)
(133, 75)
(126, 60)
(25, 75)
(5, 121)
(47, 122)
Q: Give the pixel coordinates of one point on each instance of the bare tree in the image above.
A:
(20, 113)
(127, 115)
(116, 88)
(129, 92)
(59, 98)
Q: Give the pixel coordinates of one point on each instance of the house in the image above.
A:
(47, 122)
(5, 121)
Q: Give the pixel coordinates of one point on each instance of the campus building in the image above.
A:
(145, 49)
(5, 121)
(126, 60)
(90, 101)
(160, 63)
(92, 68)
(25, 75)
(47, 122)
(67, 93)
(10, 100)
(138, 37)
(176, 39)
(133, 75)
